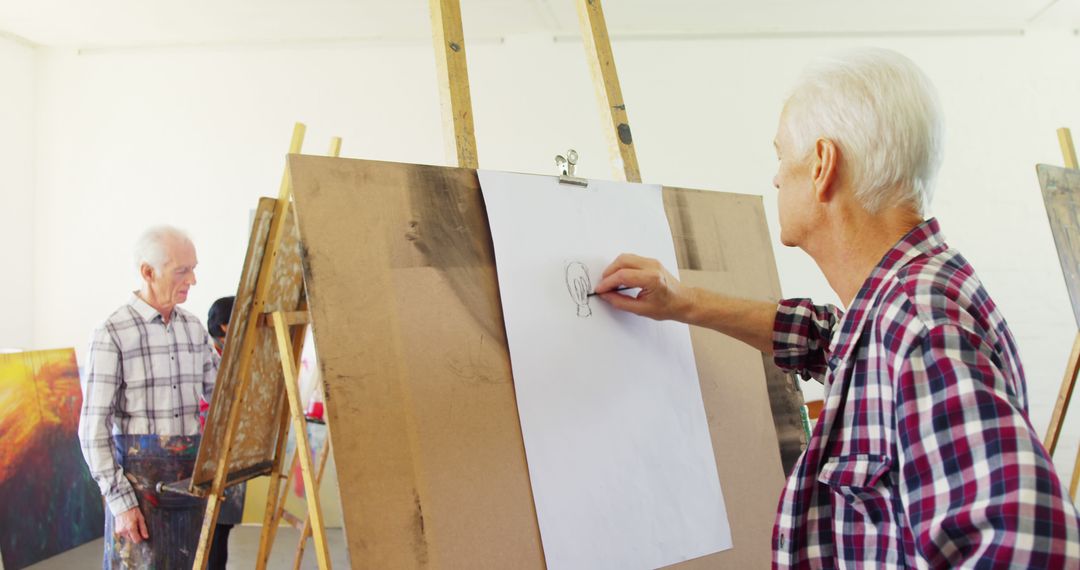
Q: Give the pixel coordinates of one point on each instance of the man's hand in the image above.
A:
(662, 297)
(131, 525)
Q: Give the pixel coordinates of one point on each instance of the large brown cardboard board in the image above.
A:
(405, 309)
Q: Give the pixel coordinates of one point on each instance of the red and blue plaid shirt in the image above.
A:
(923, 455)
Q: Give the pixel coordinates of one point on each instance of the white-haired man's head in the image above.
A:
(152, 247)
(883, 113)
(165, 258)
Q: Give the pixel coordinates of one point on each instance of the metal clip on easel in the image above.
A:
(566, 166)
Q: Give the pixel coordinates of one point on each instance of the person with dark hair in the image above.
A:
(217, 321)
(232, 510)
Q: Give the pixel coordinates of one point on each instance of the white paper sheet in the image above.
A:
(620, 460)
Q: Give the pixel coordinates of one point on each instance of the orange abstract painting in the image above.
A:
(50, 503)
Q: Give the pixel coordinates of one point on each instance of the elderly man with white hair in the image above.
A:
(149, 363)
(923, 455)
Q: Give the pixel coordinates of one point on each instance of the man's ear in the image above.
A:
(824, 169)
(146, 272)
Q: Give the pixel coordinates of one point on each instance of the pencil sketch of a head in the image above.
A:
(579, 286)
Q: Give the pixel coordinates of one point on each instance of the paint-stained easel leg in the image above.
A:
(608, 91)
(303, 446)
(206, 535)
(453, 74)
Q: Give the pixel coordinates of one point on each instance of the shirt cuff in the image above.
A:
(798, 346)
(789, 336)
(123, 501)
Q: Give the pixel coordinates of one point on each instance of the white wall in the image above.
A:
(192, 136)
(16, 193)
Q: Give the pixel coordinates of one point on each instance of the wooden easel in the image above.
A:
(432, 450)
(290, 327)
(456, 104)
(1068, 151)
(289, 330)
(460, 141)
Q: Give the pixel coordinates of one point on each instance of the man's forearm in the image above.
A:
(114, 486)
(742, 319)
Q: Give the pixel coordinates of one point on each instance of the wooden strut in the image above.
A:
(1063, 404)
(279, 513)
(456, 103)
(270, 521)
(1067, 149)
(1057, 419)
(303, 446)
(608, 92)
(291, 318)
(306, 529)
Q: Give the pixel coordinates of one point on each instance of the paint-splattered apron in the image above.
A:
(172, 520)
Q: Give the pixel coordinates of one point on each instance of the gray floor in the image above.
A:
(243, 546)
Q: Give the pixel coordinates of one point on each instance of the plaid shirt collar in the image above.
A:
(143, 309)
(923, 239)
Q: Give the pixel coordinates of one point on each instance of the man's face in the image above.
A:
(794, 186)
(170, 285)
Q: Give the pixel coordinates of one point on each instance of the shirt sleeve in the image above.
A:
(802, 332)
(977, 485)
(103, 373)
(211, 362)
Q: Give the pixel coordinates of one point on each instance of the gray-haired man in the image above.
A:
(923, 455)
(149, 363)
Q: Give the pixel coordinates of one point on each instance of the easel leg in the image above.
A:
(1075, 476)
(306, 531)
(609, 94)
(1064, 396)
(456, 102)
(272, 514)
(206, 535)
(285, 477)
(303, 447)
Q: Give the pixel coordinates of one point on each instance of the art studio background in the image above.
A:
(158, 120)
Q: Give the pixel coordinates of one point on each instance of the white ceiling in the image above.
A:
(135, 23)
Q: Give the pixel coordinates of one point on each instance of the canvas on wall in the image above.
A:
(1061, 195)
(49, 501)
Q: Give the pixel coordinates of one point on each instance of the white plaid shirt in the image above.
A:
(142, 377)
